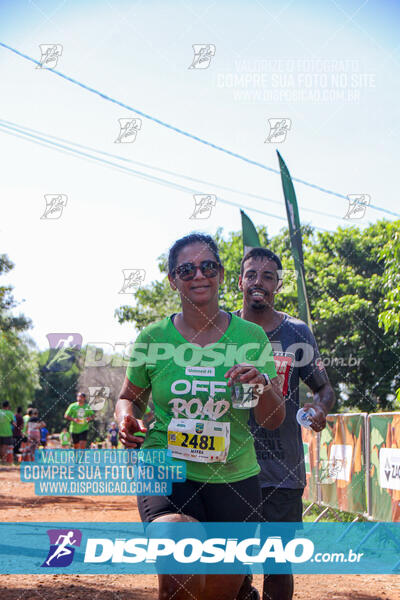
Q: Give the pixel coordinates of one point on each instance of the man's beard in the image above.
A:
(260, 306)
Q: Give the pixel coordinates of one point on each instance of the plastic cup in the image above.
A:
(303, 417)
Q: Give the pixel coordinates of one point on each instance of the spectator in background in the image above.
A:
(26, 418)
(113, 435)
(17, 431)
(44, 432)
(25, 450)
(6, 433)
(34, 426)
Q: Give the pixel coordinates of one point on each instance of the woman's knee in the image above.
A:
(181, 587)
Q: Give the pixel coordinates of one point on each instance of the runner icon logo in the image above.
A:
(204, 203)
(358, 204)
(278, 129)
(50, 54)
(128, 129)
(55, 204)
(61, 551)
(98, 396)
(203, 54)
(133, 278)
(64, 349)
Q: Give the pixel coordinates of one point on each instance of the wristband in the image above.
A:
(267, 378)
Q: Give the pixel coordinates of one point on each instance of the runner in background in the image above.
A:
(113, 435)
(17, 431)
(6, 433)
(280, 452)
(44, 432)
(26, 418)
(65, 438)
(79, 414)
(34, 426)
(25, 452)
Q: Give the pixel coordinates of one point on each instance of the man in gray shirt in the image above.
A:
(280, 452)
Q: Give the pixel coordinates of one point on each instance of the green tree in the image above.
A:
(389, 318)
(57, 390)
(18, 358)
(18, 370)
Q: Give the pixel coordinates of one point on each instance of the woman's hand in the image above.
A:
(270, 411)
(244, 373)
(127, 429)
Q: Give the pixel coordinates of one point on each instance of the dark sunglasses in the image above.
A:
(187, 271)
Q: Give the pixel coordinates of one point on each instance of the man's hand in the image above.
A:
(127, 429)
(318, 421)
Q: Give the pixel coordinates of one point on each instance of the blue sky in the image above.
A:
(69, 270)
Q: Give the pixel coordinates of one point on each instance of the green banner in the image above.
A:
(249, 233)
(342, 466)
(385, 466)
(292, 212)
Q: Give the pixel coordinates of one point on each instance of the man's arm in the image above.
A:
(315, 377)
(67, 416)
(324, 400)
(273, 416)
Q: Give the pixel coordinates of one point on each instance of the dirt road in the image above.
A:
(19, 503)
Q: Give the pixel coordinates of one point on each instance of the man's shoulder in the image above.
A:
(297, 325)
(72, 405)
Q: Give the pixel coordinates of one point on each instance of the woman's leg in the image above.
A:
(195, 587)
(180, 587)
(223, 587)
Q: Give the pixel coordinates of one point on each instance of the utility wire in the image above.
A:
(185, 133)
(166, 171)
(42, 141)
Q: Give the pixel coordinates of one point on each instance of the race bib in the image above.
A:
(199, 441)
(81, 414)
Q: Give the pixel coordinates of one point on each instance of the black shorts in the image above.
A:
(78, 437)
(207, 502)
(282, 504)
(6, 441)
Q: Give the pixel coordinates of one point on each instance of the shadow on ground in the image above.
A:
(76, 592)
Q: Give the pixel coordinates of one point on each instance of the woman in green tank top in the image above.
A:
(205, 369)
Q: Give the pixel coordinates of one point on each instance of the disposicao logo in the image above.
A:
(61, 551)
(191, 550)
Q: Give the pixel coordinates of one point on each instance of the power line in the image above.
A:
(65, 149)
(185, 133)
(166, 171)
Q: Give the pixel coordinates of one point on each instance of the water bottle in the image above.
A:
(303, 417)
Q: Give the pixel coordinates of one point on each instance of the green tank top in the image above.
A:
(194, 416)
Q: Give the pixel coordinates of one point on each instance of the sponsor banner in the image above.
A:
(122, 548)
(342, 466)
(59, 472)
(389, 468)
(385, 466)
(310, 441)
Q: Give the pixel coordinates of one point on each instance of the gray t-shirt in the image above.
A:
(280, 452)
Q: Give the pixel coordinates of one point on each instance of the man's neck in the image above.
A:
(268, 319)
